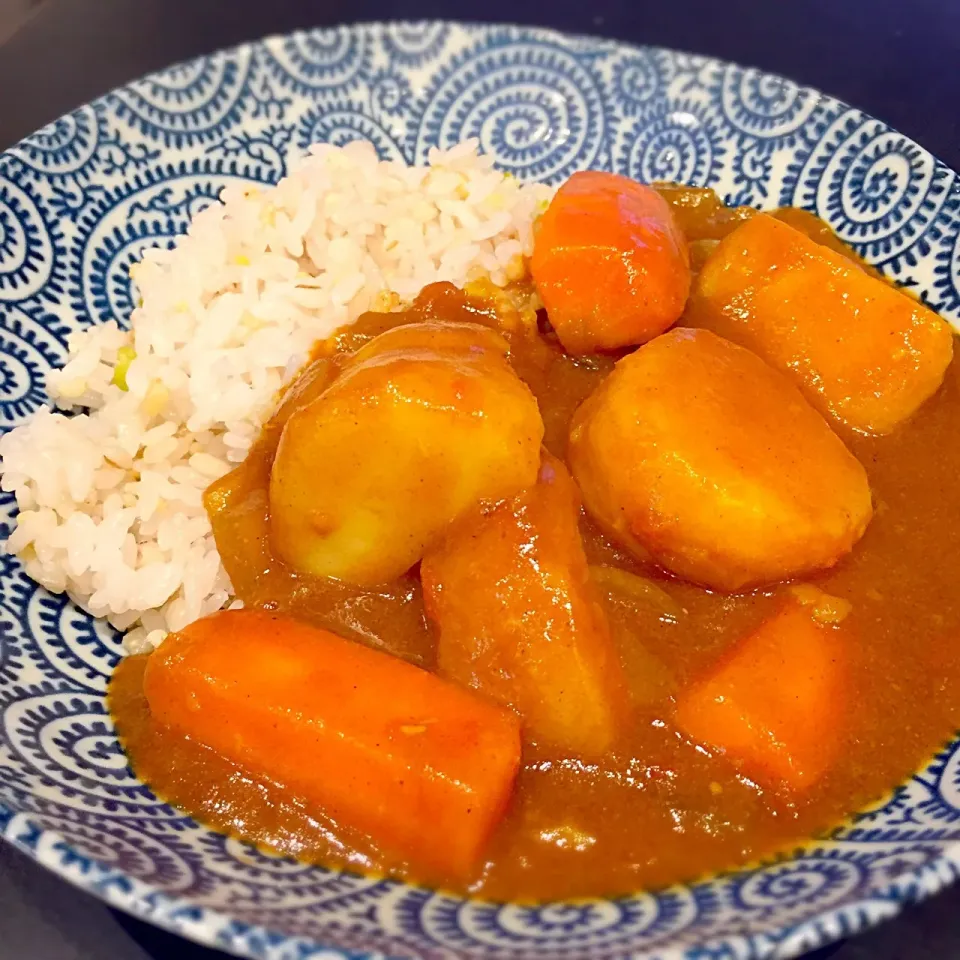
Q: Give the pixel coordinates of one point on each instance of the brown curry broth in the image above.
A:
(659, 809)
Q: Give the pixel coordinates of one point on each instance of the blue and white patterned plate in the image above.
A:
(81, 198)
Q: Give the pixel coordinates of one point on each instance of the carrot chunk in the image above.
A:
(610, 263)
(862, 351)
(425, 767)
(775, 703)
(518, 617)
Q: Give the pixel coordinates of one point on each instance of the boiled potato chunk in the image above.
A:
(860, 350)
(698, 453)
(422, 423)
(518, 619)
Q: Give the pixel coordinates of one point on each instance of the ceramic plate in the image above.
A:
(82, 197)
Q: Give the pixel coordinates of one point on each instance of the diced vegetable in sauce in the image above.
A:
(617, 582)
(700, 213)
(380, 745)
(862, 351)
(519, 620)
(610, 263)
(424, 422)
(695, 450)
(775, 705)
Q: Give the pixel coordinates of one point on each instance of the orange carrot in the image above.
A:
(862, 351)
(775, 704)
(610, 263)
(423, 766)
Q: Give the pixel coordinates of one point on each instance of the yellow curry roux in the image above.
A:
(658, 809)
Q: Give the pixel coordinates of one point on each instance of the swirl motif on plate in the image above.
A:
(879, 191)
(536, 108)
(672, 141)
(72, 643)
(767, 107)
(320, 61)
(65, 148)
(752, 167)
(415, 44)
(190, 103)
(390, 94)
(27, 244)
(340, 124)
(637, 80)
(946, 272)
(167, 862)
(151, 211)
(560, 928)
(557, 926)
(787, 887)
(26, 354)
(67, 738)
(235, 860)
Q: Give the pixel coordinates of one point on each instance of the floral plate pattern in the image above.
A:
(80, 199)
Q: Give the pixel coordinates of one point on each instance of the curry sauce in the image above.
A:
(659, 808)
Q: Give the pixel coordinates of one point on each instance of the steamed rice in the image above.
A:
(110, 495)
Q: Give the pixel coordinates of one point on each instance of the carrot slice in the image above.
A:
(862, 351)
(610, 263)
(775, 703)
(423, 766)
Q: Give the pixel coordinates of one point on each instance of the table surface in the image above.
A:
(895, 61)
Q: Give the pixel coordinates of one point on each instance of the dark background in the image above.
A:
(896, 60)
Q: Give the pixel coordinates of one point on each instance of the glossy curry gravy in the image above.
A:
(659, 809)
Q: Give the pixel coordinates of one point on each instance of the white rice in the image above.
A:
(110, 495)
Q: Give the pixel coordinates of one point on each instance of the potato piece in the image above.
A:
(696, 451)
(509, 591)
(423, 422)
(862, 351)
(610, 263)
